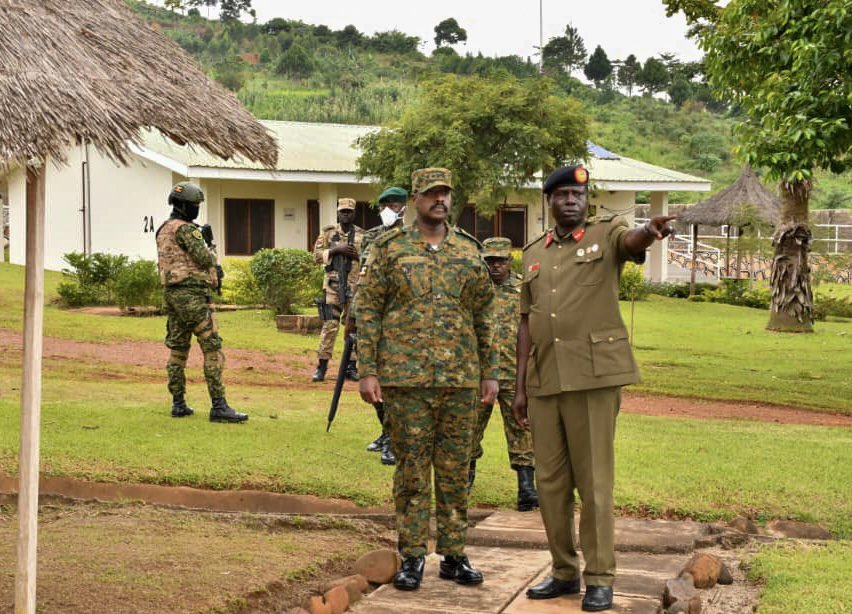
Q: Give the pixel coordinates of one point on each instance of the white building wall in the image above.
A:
(17, 200)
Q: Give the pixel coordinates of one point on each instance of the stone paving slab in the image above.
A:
(506, 572)
(525, 530)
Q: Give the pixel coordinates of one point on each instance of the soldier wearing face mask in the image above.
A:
(392, 207)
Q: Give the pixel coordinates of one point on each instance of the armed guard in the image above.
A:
(189, 274)
(336, 248)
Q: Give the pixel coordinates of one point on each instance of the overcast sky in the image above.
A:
(621, 27)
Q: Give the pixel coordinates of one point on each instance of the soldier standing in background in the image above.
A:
(426, 341)
(188, 273)
(573, 358)
(340, 239)
(497, 252)
(392, 206)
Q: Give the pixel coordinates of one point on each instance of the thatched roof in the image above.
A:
(74, 69)
(728, 206)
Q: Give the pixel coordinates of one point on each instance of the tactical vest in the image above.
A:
(174, 262)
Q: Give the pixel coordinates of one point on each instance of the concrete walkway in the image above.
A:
(510, 550)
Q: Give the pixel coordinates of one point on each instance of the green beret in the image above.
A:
(393, 195)
(566, 175)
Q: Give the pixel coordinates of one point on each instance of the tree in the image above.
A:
(653, 77)
(296, 62)
(565, 53)
(598, 67)
(679, 91)
(232, 10)
(786, 66)
(628, 72)
(349, 37)
(494, 134)
(449, 32)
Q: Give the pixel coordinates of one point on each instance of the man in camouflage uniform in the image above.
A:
(189, 273)
(497, 253)
(341, 239)
(427, 350)
(392, 206)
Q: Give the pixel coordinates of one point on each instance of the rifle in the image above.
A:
(348, 346)
(207, 235)
(342, 265)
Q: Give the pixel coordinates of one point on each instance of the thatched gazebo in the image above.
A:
(90, 70)
(745, 202)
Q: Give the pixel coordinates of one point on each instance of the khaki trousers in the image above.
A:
(573, 439)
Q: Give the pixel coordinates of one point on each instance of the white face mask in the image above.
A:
(389, 216)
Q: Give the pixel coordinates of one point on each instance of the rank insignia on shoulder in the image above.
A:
(549, 238)
(534, 267)
(578, 234)
(197, 234)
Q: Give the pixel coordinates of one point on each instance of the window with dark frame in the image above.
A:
(249, 225)
(510, 222)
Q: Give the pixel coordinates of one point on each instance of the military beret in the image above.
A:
(393, 195)
(345, 203)
(427, 178)
(497, 247)
(566, 175)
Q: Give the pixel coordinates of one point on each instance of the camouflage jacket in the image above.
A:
(507, 312)
(425, 316)
(183, 257)
(332, 236)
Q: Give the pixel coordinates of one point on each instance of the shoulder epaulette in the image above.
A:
(385, 237)
(329, 227)
(462, 232)
(534, 241)
(602, 217)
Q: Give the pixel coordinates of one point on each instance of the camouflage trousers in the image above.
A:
(188, 310)
(328, 334)
(430, 429)
(518, 439)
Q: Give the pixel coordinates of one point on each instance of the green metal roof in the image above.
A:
(330, 148)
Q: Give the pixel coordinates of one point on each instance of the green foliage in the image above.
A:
(628, 73)
(706, 148)
(598, 68)
(491, 148)
(449, 32)
(287, 278)
(240, 286)
(679, 91)
(826, 305)
(739, 292)
(653, 77)
(565, 53)
(90, 280)
(296, 62)
(631, 284)
(138, 285)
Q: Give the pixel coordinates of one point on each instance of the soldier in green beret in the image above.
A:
(497, 252)
(573, 358)
(425, 326)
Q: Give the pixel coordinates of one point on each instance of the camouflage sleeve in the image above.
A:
(369, 305)
(321, 247)
(189, 238)
(484, 323)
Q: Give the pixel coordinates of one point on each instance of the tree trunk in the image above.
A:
(791, 309)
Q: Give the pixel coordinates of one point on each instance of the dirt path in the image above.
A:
(294, 371)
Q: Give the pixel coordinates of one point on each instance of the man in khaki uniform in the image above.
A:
(497, 253)
(573, 358)
(341, 239)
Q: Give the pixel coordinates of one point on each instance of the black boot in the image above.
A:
(351, 371)
(387, 454)
(410, 575)
(471, 475)
(527, 495)
(378, 443)
(222, 412)
(459, 569)
(322, 367)
(179, 407)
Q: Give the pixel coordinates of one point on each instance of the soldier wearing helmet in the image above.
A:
(188, 273)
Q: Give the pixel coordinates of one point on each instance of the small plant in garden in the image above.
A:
(287, 278)
(631, 285)
(90, 280)
(240, 286)
(138, 285)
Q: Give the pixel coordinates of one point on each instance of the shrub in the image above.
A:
(138, 285)
(287, 278)
(240, 286)
(738, 292)
(631, 284)
(836, 306)
(90, 280)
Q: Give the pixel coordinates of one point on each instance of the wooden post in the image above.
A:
(728, 253)
(739, 249)
(25, 579)
(694, 257)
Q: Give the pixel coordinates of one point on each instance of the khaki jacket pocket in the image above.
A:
(590, 268)
(611, 353)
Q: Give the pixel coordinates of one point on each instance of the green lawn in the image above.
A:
(812, 578)
(702, 350)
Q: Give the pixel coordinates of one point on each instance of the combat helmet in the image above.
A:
(185, 198)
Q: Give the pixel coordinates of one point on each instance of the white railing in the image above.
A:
(681, 246)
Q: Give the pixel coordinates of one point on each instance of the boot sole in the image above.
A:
(447, 576)
(228, 420)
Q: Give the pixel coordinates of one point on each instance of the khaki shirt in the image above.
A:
(507, 303)
(332, 236)
(425, 316)
(570, 293)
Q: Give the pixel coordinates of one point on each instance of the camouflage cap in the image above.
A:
(427, 178)
(345, 203)
(393, 195)
(497, 247)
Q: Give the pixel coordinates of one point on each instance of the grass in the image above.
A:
(701, 350)
(797, 577)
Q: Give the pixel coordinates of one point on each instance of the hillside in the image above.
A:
(289, 70)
